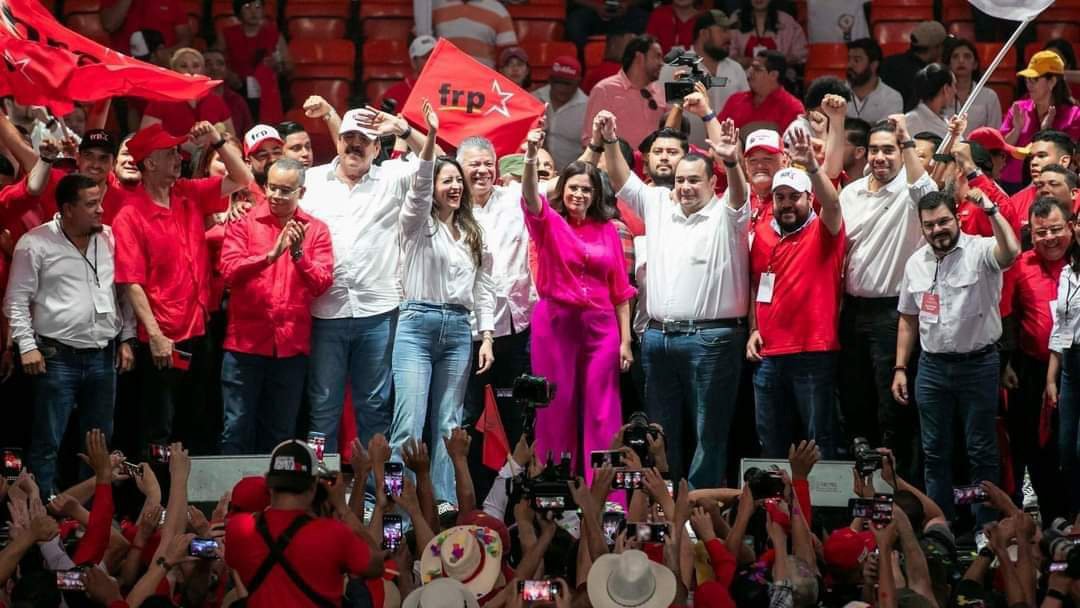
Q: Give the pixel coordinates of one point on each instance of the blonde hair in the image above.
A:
(180, 52)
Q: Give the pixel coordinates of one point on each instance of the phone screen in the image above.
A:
(861, 507)
(395, 479)
(538, 591)
(646, 532)
(882, 513)
(159, 453)
(613, 520)
(70, 580)
(550, 502)
(627, 480)
(13, 463)
(391, 531)
(317, 441)
(131, 469)
(606, 457)
(206, 548)
(1058, 566)
(969, 495)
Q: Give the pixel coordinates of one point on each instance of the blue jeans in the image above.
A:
(358, 351)
(432, 361)
(945, 388)
(690, 378)
(1069, 425)
(795, 388)
(262, 398)
(73, 379)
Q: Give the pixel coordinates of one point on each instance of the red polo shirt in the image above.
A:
(779, 108)
(270, 304)
(164, 250)
(161, 15)
(177, 117)
(1033, 284)
(805, 310)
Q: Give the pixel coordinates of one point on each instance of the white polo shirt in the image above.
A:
(882, 232)
(699, 266)
(363, 223)
(967, 285)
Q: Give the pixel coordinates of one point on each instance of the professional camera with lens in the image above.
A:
(1062, 550)
(548, 491)
(867, 459)
(534, 392)
(681, 87)
(764, 483)
(636, 434)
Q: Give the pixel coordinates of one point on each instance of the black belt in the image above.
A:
(870, 303)
(71, 349)
(689, 327)
(975, 354)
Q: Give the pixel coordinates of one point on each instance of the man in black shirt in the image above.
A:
(898, 71)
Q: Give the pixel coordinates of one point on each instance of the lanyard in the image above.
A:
(92, 265)
(937, 268)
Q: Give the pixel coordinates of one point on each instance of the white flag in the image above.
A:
(1013, 10)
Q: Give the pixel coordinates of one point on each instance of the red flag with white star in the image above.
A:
(472, 99)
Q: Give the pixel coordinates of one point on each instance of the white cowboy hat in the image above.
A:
(471, 555)
(441, 593)
(628, 580)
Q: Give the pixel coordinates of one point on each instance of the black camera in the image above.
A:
(681, 87)
(636, 437)
(534, 392)
(1061, 548)
(548, 491)
(764, 484)
(867, 459)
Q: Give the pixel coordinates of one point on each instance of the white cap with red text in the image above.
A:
(765, 139)
(257, 135)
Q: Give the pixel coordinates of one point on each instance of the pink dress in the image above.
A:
(581, 277)
(1066, 120)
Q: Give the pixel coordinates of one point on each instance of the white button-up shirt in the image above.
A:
(435, 267)
(53, 291)
(922, 118)
(363, 222)
(967, 282)
(564, 125)
(877, 105)
(699, 265)
(1066, 311)
(506, 238)
(882, 232)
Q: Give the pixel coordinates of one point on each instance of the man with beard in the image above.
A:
(767, 102)
(352, 335)
(882, 232)
(1032, 283)
(666, 149)
(262, 147)
(795, 265)
(872, 99)
(163, 262)
(764, 156)
(949, 299)
(712, 36)
(634, 93)
(297, 143)
(697, 285)
(66, 320)
(1047, 148)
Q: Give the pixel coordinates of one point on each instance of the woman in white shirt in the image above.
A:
(1065, 360)
(963, 61)
(445, 276)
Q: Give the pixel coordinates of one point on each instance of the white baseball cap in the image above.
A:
(257, 135)
(766, 139)
(793, 178)
(351, 123)
(421, 46)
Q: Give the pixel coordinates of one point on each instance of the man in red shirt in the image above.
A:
(767, 103)
(125, 18)
(1047, 148)
(162, 260)
(275, 261)
(313, 554)
(795, 267)
(1031, 284)
(393, 100)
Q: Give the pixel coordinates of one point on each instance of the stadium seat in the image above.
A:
(322, 144)
(325, 20)
(89, 25)
(594, 53)
(962, 29)
(1058, 29)
(374, 89)
(543, 54)
(334, 91)
(886, 32)
(538, 29)
(894, 48)
(532, 10)
(1006, 92)
(386, 59)
(1035, 47)
(880, 14)
(1006, 70)
(386, 19)
(827, 55)
(323, 59)
(956, 12)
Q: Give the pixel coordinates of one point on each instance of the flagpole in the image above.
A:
(986, 75)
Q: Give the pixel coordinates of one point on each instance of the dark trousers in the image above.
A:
(796, 400)
(174, 405)
(1069, 426)
(867, 357)
(1022, 419)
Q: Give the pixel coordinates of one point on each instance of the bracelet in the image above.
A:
(406, 133)
(530, 161)
(48, 161)
(708, 117)
(974, 173)
(943, 158)
(596, 148)
(1057, 595)
(899, 368)
(730, 165)
(990, 211)
(813, 170)
(610, 141)
(907, 144)
(218, 144)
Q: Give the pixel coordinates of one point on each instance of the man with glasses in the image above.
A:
(949, 299)
(767, 103)
(276, 261)
(634, 95)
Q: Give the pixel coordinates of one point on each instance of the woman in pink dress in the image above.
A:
(581, 325)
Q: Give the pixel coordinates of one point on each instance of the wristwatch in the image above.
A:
(218, 144)
(295, 254)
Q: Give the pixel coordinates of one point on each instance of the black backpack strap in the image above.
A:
(277, 558)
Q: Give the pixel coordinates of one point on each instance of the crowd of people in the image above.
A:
(668, 284)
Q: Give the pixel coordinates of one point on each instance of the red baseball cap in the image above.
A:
(846, 549)
(991, 139)
(151, 139)
(566, 68)
(250, 495)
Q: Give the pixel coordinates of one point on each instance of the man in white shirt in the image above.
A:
(565, 110)
(353, 330)
(882, 233)
(698, 285)
(872, 100)
(712, 38)
(934, 88)
(949, 298)
(66, 320)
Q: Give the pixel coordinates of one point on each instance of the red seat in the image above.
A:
(324, 20)
(543, 54)
(962, 29)
(536, 29)
(374, 90)
(89, 25)
(1067, 31)
(323, 59)
(894, 48)
(385, 9)
(533, 10)
(594, 53)
(386, 59)
(388, 28)
(827, 55)
(880, 14)
(1006, 92)
(887, 32)
(336, 92)
(1035, 47)
(1006, 70)
(957, 12)
(322, 143)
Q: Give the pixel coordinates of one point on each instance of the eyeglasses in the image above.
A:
(645, 94)
(1049, 231)
(281, 190)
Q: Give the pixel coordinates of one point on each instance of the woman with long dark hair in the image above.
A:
(763, 26)
(962, 59)
(446, 278)
(581, 325)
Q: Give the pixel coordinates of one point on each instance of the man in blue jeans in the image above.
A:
(66, 320)
(352, 335)
(949, 297)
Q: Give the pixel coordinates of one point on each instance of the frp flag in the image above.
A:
(1013, 10)
(61, 66)
(472, 99)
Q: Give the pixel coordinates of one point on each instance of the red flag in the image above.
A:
(472, 99)
(50, 63)
(496, 445)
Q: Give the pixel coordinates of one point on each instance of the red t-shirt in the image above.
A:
(161, 15)
(322, 552)
(247, 53)
(664, 25)
(177, 117)
(805, 310)
(780, 108)
(1032, 284)
(164, 250)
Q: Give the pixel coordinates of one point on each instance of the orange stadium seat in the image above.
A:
(1060, 29)
(1006, 70)
(827, 55)
(886, 32)
(538, 29)
(1006, 92)
(374, 90)
(534, 10)
(956, 12)
(334, 91)
(386, 59)
(894, 48)
(879, 14)
(1035, 47)
(386, 19)
(335, 59)
(324, 20)
(543, 54)
(594, 53)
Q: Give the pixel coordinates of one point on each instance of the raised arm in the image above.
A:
(835, 108)
(729, 151)
(912, 164)
(417, 208)
(238, 174)
(317, 107)
(617, 169)
(1006, 247)
(802, 153)
(530, 187)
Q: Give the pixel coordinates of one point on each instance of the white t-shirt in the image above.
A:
(836, 20)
